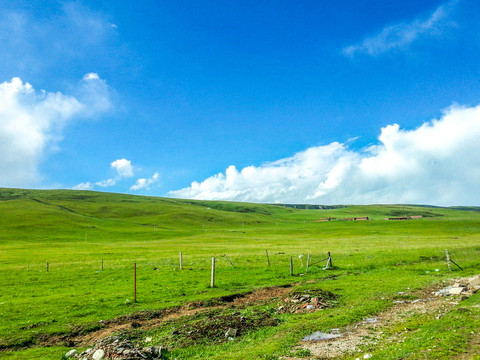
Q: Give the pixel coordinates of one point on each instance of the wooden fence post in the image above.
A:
(268, 259)
(451, 261)
(212, 277)
(308, 262)
(47, 266)
(135, 282)
(181, 261)
(291, 265)
(329, 262)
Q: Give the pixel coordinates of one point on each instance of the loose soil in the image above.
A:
(146, 320)
(371, 330)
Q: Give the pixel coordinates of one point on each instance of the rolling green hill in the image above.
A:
(91, 240)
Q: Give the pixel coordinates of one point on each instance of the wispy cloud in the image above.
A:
(32, 122)
(143, 183)
(436, 164)
(124, 170)
(27, 44)
(400, 36)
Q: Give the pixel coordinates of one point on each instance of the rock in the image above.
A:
(457, 290)
(148, 339)
(310, 307)
(98, 355)
(157, 351)
(318, 335)
(231, 333)
(474, 281)
(153, 351)
(367, 356)
(71, 354)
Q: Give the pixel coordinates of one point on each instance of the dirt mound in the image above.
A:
(308, 301)
(220, 327)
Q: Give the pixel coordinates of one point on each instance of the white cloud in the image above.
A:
(435, 164)
(31, 122)
(91, 76)
(401, 35)
(26, 37)
(83, 186)
(106, 183)
(144, 183)
(123, 167)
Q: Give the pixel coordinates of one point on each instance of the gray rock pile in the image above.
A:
(464, 287)
(301, 302)
(114, 347)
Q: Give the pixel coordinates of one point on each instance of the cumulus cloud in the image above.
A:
(124, 170)
(435, 164)
(123, 167)
(401, 35)
(144, 183)
(31, 123)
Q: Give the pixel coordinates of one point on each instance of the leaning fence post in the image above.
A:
(308, 262)
(268, 259)
(212, 277)
(329, 261)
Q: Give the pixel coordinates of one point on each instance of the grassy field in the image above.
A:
(78, 232)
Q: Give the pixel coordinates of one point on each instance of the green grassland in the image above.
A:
(76, 231)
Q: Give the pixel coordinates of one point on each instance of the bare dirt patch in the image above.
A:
(146, 320)
(369, 331)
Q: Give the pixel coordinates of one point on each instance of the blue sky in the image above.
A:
(314, 101)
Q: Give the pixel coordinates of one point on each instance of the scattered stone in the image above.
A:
(98, 355)
(71, 353)
(318, 335)
(148, 339)
(153, 351)
(231, 333)
(474, 283)
(367, 356)
(457, 290)
(308, 300)
(114, 347)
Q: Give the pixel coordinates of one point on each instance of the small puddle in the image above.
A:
(318, 335)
